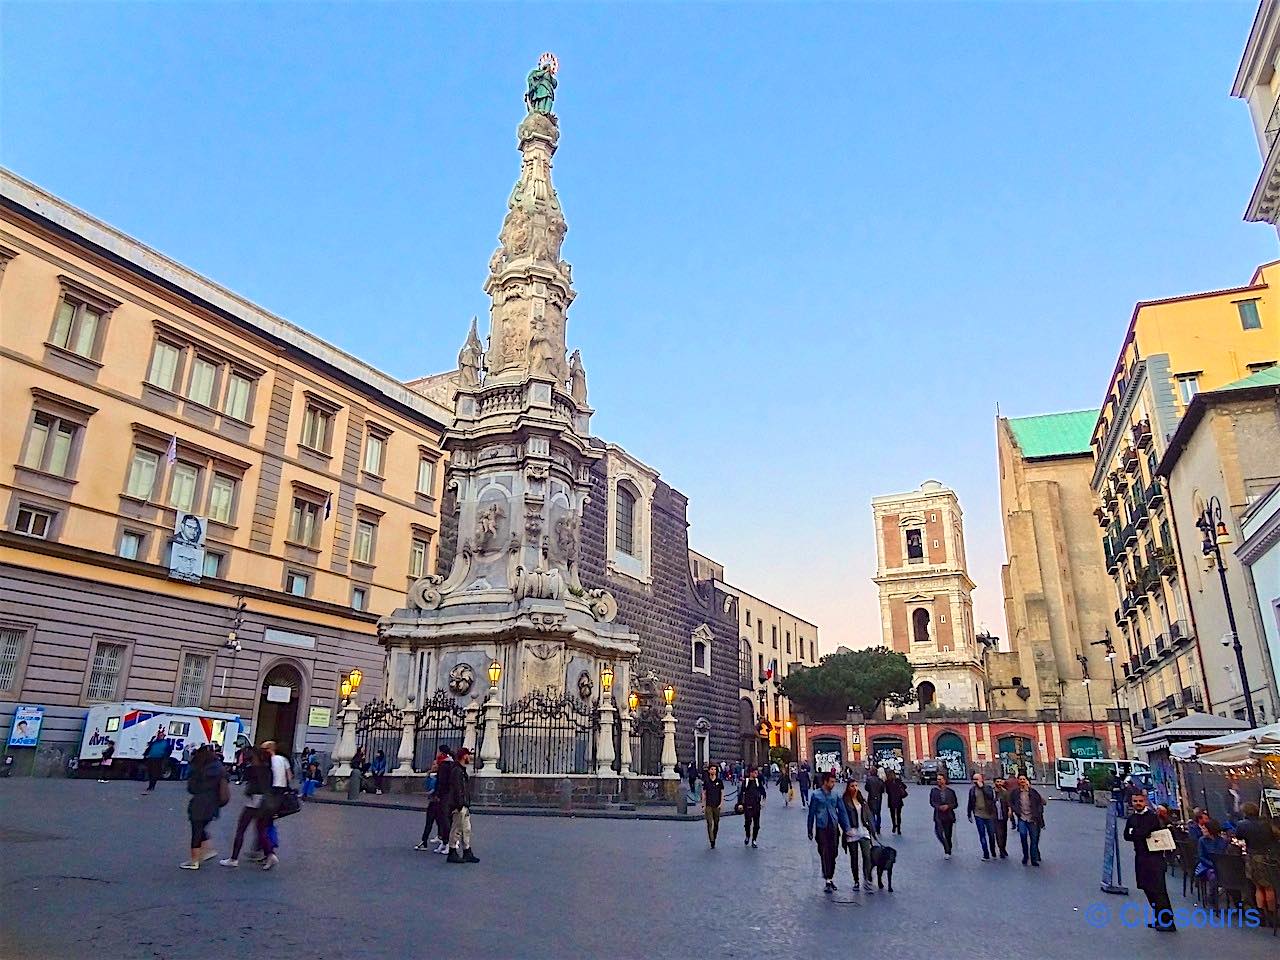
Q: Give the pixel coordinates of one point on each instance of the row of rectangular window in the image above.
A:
(215, 383)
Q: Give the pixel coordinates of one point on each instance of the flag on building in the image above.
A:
(328, 505)
(171, 455)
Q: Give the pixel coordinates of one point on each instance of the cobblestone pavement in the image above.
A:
(90, 870)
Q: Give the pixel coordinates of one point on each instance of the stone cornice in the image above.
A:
(1259, 49)
(1264, 205)
(1120, 425)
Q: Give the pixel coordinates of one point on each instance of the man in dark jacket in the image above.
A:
(459, 804)
(712, 797)
(983, 810)
(156, 757)
(944, 802)
(1149, 865)
(751, 795)
(895, 792)
(1026, 806)
(1002, 816)
(875, 796)
(804, 781)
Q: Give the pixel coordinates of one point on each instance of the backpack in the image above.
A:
(224, 792)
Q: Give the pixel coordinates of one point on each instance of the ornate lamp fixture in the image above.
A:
(633, 700)
(669, 694)
(495, 673)
(606, 679)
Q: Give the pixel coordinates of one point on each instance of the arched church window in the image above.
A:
(625, 529)
(920, 625)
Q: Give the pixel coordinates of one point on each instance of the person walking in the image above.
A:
(895, 792)
(1026, 806)
(875, 795)
(861, 834)
(1003, 815)
(751, 796)
(827, 821)
(378, 770)
(712, 797)
(208, 794)
(983, 810)
(155, 757)
(784, 786)
(437, 802)
(691, 772)
(803, 781)
(459, 804)
(1148, 865)
(944, 802)
(257, 778)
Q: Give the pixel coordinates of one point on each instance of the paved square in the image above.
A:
(90, 869)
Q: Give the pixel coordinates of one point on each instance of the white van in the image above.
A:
(131, 724)
(1071, 769)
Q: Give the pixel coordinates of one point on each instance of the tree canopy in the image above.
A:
(861, 679)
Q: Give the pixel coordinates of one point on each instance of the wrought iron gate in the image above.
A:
(646, 744)
(379, 726)
(547, 732)
(441, 719)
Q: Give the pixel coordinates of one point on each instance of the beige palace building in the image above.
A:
(135, 392)
(771, 641)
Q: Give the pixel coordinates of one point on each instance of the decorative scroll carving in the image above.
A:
(425, 594)
(461, 679)
(603, 606)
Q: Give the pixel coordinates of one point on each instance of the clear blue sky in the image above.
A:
(813, 246)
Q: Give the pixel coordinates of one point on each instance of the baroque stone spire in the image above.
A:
(529, 286)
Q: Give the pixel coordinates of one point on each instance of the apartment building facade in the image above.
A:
(144, 403)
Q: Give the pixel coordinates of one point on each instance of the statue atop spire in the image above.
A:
(540, 91)
(529, 285)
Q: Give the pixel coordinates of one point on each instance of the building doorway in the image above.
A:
(278, 705)
(952, 753)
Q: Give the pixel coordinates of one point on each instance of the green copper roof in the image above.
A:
(1270, 377)
(1054, 434)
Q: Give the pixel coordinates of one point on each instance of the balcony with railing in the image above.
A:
(1166, 561)
(1180, 633)
(1162, 645)
(1149, 655)
(1129, 535)
(1155, 493)
(1135, 665)
(1141, 434)
(1263, 203)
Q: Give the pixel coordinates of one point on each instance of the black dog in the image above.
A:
(882, 858)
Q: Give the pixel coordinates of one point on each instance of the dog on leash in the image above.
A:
(883, 858)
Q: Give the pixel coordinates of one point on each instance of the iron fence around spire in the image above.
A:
(379, 726)
(547, 732)
(441, 720)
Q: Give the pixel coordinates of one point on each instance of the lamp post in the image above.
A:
(1214, 530)
(1107, 643)
(489, 749)
(604, 745)
(345, 750)
(1084, 667)
(669, 736)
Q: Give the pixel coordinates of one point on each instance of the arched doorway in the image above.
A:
(887, 752)
(1085, 748)
(1017, 756)
(278, 704)
(828, 752)
(951, 752)
(926, 694)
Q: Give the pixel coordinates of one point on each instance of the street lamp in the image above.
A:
(633, 700)
(1214, 530)
(1110, 647)
(669, 694)
(495, 673)
(1084, 668)
(606, 679)
(355, 676)
(345, 689)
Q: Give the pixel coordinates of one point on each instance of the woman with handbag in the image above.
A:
(861, 833)
(1143, 830)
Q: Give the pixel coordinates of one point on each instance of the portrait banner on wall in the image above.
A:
(186, 554)
(25, 731)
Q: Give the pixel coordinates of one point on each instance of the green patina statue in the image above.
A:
(540, 94)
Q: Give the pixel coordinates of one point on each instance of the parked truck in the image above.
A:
(132, 724)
